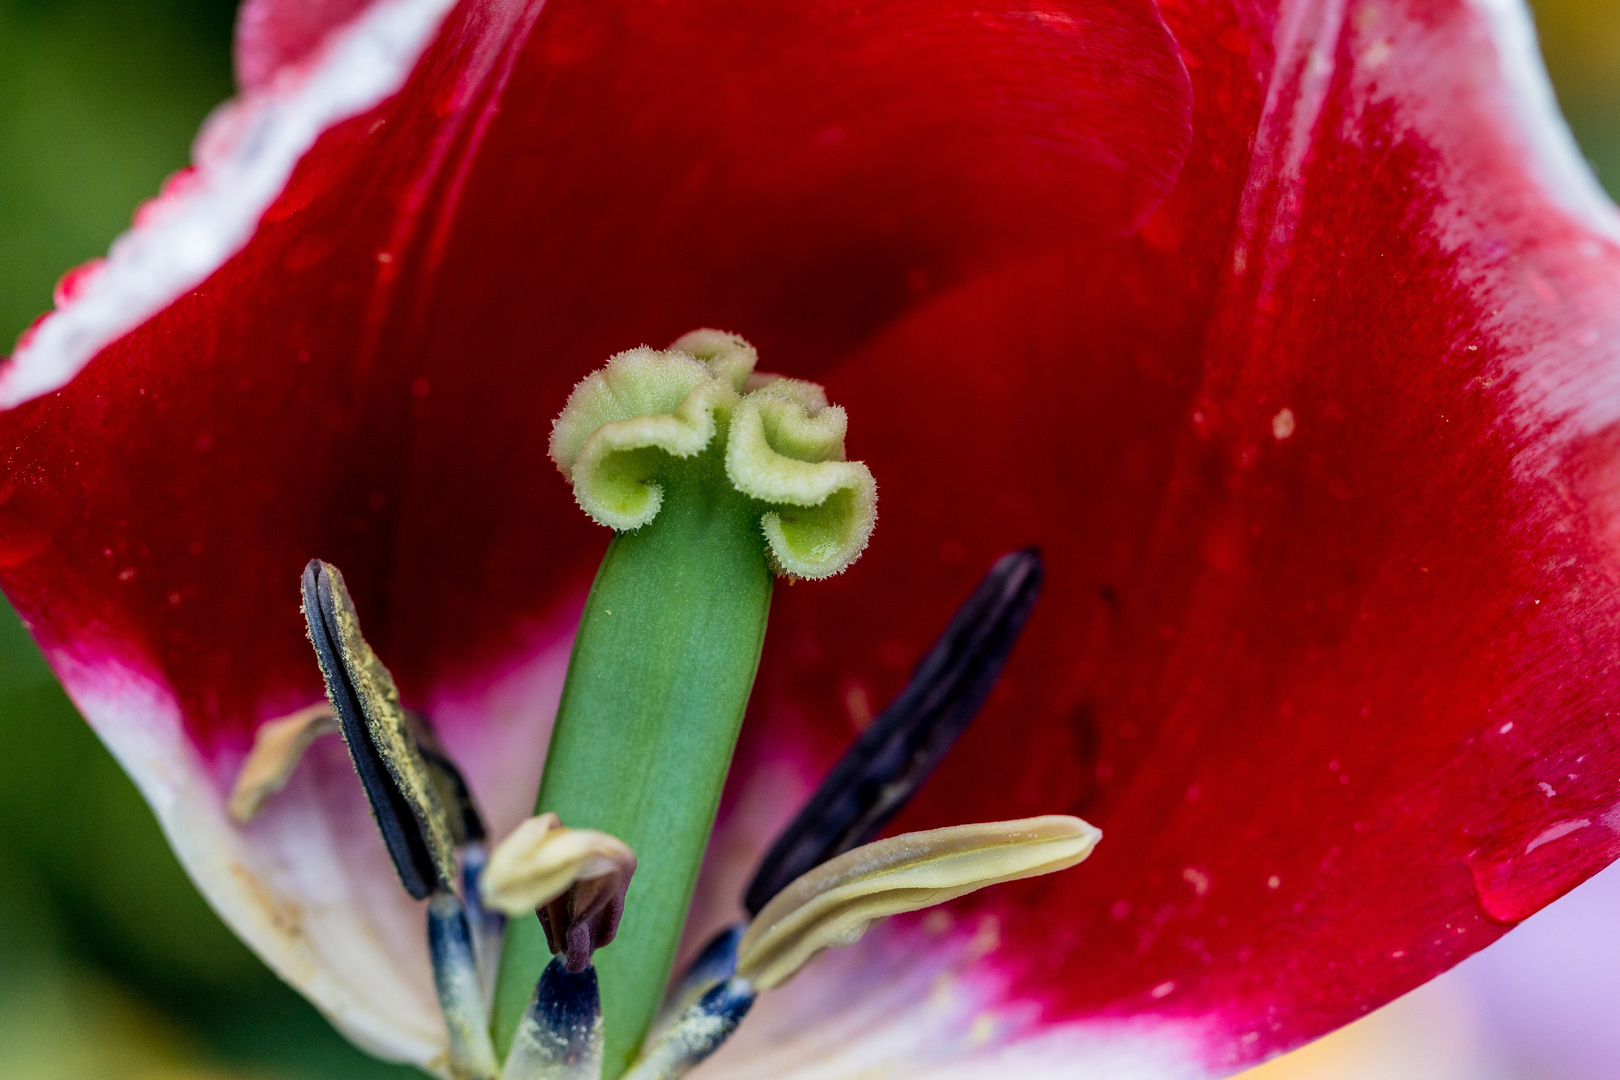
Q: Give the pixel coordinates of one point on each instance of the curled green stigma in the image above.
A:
(716, 480)
(779, 441)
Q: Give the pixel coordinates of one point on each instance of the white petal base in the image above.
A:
(307, 884)
(913, 1001)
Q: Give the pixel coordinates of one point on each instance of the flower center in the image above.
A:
(715, 479)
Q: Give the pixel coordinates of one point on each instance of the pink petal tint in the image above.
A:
(274, 35)
(1289, 333)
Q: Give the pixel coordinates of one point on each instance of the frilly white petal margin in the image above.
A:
(244, 156)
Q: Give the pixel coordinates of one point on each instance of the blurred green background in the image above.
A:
(111, 966)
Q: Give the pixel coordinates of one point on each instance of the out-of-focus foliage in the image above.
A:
(99, 100)
(1581, 42)
(111, 966)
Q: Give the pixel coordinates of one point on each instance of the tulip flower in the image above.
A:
(1288, 332)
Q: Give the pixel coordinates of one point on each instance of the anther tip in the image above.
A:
(568, 997)
(1026, 567)
(319, 599)
(314, 575)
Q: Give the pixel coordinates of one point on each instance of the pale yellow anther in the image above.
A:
(783, 447)
(834, 903)
(278, 746)
(542, 859)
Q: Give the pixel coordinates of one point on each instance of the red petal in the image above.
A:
(1319, 454)
(330, 387)
(273, 34)
(1329, 645)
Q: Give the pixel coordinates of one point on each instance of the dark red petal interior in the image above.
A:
(373, 379)
(1331, 599)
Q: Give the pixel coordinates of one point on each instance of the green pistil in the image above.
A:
(718, 480)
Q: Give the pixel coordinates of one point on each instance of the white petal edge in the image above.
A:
(1535, 323)
(256, 142)
(244, 155)
(247, 150)
(1483, 104)
(294, 884)
(1555, 158)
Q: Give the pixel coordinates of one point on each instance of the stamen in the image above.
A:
(699, 1032)
(560, 1036)
(834, 903)
(488, 925)
(467, 827)
(575, 878)
(404, 796)
(455, 977)
(466, 823)
(424, 809)
(884, 768)
(278, 747)
(901, 748)
(714, 965)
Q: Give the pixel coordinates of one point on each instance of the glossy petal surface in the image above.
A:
(1290, 335)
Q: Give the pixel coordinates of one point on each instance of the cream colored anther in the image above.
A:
(278, 747)
(542, 859)
(834, 903)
